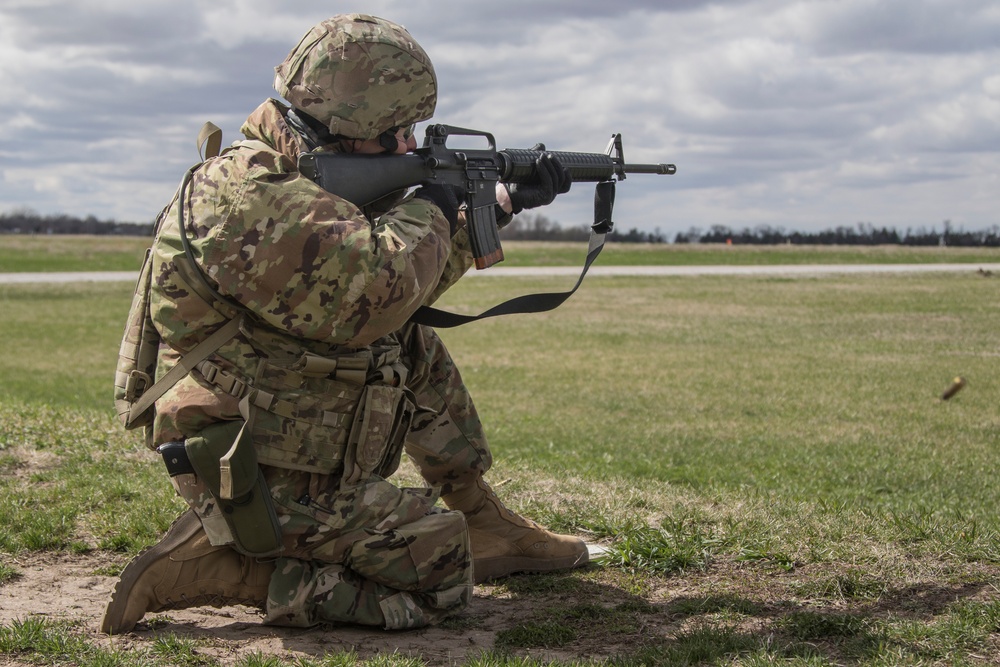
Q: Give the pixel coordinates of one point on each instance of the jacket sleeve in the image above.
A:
(458, 264)
(309, 262)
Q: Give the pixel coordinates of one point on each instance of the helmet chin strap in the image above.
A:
(312, 131)
(316, 134)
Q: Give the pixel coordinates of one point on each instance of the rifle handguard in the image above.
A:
(363, 179)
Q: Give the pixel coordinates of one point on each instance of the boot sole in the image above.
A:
(496, 568)
(183, 529)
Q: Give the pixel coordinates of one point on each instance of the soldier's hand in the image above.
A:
(448, 198)
(550, 179)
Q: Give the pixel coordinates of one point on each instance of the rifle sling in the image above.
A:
(527, 303)
(604, 202)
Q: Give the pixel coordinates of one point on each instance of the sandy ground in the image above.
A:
(64, 587)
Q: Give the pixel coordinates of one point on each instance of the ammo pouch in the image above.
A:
(223, 456)
(324, 414)
(376, 439)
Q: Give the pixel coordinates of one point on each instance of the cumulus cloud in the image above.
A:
(797, 113)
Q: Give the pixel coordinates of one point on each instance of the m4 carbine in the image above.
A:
(363, 179)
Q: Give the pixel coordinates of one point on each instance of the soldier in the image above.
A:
(325, 382)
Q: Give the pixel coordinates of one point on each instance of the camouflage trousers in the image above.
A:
(373, 553)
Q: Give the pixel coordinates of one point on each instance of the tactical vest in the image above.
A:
(348, 411)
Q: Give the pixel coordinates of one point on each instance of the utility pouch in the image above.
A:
(376, 439)
(223, 456)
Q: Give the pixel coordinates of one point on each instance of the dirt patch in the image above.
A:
(607, 612)
(67, 587)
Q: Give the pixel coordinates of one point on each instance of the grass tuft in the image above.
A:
(8, 573)
(851, 585)
(535, 634)
(39, 640)
(179, 651)
(662, 550)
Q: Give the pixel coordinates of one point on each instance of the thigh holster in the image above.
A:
(222, 456)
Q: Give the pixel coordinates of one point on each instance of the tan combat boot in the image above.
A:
(504, 543)
(184, 570)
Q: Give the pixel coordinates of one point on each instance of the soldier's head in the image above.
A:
(358, 77)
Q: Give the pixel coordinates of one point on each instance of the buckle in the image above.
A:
(239, 387)
(136, 384)
(209, 371)
(229, 383)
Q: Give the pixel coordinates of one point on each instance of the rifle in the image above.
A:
(363, 179)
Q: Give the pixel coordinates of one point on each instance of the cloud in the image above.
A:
(894, 26)
(800, 113)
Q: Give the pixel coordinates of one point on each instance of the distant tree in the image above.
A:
(537, 227)
(27, 221)
(863, 233)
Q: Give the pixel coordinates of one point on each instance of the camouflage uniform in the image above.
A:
(323, 283)
(326, 382)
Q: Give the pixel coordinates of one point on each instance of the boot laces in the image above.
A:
(511, 514)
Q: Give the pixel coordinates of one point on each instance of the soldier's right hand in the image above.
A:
(448, 198)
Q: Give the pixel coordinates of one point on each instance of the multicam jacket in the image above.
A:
(316, 275)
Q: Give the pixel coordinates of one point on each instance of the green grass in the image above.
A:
(20, 253)
(38, 641)
(768, 461)
(531, 253)
(8, 573)
(824, 391)
(662, 550)
(79, 483)
(59, 346)
(24, 253)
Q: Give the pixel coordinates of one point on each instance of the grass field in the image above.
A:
(124, 253)
(767, 459)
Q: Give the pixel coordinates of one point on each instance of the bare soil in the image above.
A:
(66, 587)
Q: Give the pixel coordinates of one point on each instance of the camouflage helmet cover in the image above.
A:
(360, 75)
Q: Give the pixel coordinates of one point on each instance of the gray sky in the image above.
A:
(804, 115)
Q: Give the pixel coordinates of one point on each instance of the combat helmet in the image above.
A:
(360, 76)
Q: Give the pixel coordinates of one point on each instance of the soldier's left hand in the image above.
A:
(550, 179)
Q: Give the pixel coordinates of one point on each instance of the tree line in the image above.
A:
(25, 221)
(537, 227)
(861, 234)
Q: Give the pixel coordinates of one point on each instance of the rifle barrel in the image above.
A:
(518, 166)
(649, 169)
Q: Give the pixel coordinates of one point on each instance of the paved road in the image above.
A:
(779, 270)
(499, 271)
(73, 277)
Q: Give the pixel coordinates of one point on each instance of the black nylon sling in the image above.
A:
(604, 201)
